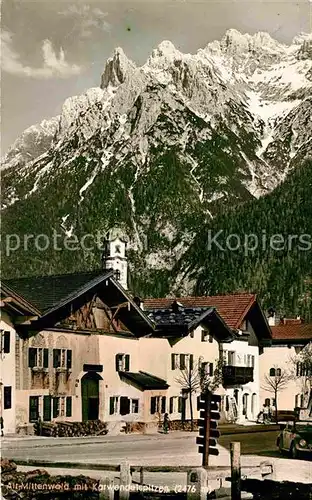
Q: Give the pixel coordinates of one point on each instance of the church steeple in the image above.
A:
(114, 256)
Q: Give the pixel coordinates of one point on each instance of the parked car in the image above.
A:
(295, 438)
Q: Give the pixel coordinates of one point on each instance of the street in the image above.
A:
(174, 449)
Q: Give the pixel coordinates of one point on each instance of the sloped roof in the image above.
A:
(144, 380)
(180, 321)
(232, 308)
(292, 332)
(44, 292)
(52, 296)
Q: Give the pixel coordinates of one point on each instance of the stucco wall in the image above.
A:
(8, 375)
(279, 356)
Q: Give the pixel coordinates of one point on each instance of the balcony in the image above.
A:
(237, 375)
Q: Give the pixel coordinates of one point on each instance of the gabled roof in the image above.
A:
(179, 321)
(233, 308)
(295, 332)
(16, 304)
(45, 292)
(52, 297)
(145, 381)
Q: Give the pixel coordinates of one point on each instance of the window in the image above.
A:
(158, 404)
(117, 275)
(68, 406)
(272, 372)
(278, 372)
(210, 339)
(134, 406)
(56, 407)
(207, 368)
(122, 362)
(205, 337)
(113, 405)
(7, 397)
(6, 342)
(33, 408)
(47, 408)
(267, 401)
(192, 334)
(181, 361)
(62, 358)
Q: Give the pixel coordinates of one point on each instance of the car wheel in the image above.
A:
(293, 451)
(280, 446)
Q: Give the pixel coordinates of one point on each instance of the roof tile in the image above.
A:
(232, 308)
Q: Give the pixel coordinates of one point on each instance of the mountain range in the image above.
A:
(166, 151)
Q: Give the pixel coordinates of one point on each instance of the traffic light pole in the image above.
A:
(207, 430)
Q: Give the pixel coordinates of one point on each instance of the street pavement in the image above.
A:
(176, 448)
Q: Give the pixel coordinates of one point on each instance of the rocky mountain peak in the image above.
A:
(116, 69)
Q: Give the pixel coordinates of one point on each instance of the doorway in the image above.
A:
(245, 404)
(90, 396)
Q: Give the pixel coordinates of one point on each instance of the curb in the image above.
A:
(151, 437)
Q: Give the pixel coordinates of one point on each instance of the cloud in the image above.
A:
(86, 19)
(53, 65)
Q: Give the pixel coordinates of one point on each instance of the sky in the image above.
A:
(51, 50)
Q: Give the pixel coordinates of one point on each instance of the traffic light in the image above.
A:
(208, 407)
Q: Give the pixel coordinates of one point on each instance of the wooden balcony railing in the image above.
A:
(233, 375)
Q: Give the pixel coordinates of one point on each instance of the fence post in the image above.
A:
(106, 488)
(235, 471)
(142, 475)
(197, 484)
(125, 481)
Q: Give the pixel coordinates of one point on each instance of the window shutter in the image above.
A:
(7, 397)
(210, 369)
(172, 361)
(182, 361)
(127, 362)
(191, 362)
(111, 405)
(47, 408)
(68, 406)
(153, 405)
(33, 408)
(163, 404)
(180, 404)
(45, 358)
(32, 357)
(210, 339)
(56, 358)
(69, 360)
(55, 407)
(171, 405)
(6, 342)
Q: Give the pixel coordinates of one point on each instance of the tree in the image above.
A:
(275, 383)
(195, 379)
(301, 371)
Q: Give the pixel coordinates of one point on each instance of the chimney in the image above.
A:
(139, 302)
(272, 316)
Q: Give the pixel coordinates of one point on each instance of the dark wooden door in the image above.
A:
(90, 397)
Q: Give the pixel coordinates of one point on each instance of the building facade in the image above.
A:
(291, 338)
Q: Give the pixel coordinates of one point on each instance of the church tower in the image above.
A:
(114, 256)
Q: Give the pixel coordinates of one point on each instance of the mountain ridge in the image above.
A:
(162, 149)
